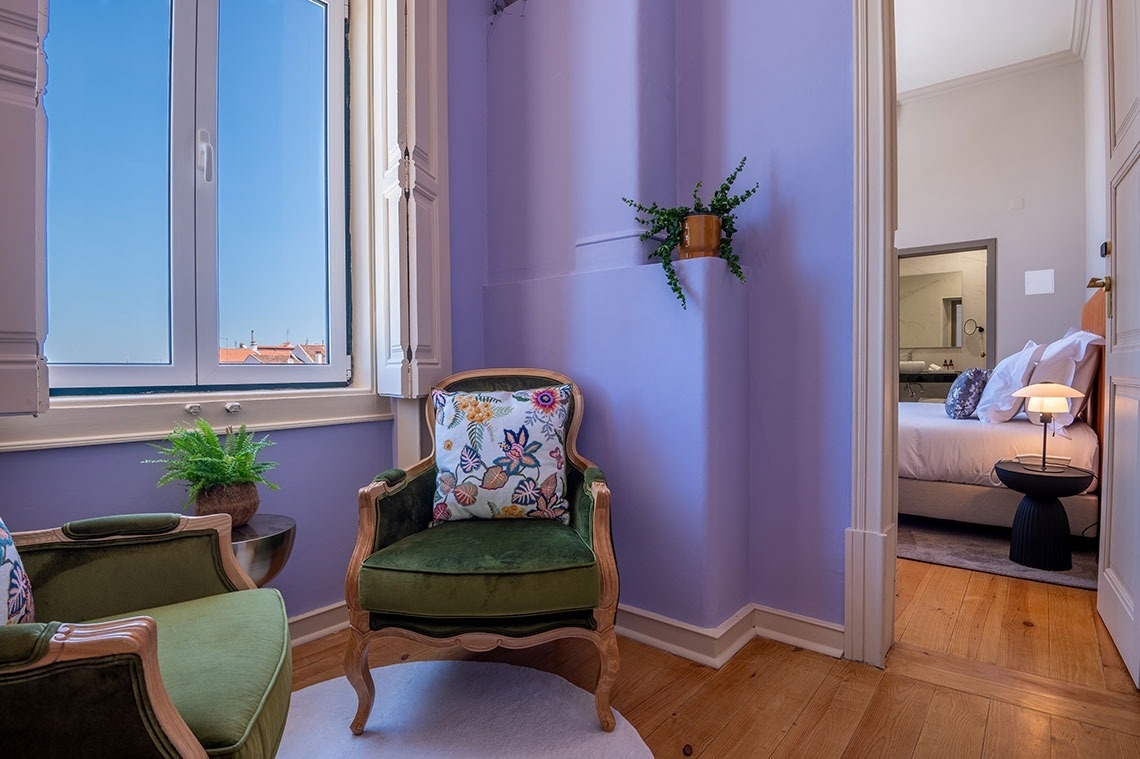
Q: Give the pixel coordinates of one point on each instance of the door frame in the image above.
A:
(869, 571)
(870, 541)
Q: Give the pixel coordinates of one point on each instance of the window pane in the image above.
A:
(108, 227)
(272, 182)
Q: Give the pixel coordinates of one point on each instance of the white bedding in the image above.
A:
(932, 446)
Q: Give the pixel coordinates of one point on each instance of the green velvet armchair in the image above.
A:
(483, 583)
(151, 641)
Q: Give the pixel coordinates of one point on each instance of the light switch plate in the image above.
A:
(1039, 282)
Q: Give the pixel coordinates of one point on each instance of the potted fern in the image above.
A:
(699, 229)
(220, 477)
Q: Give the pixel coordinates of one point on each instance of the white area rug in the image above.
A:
(457, 710)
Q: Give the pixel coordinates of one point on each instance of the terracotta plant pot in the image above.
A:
(700, 236)
(240, 501)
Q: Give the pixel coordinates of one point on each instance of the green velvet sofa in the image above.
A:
(149, 641)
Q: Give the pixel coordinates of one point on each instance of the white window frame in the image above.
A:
(193, 226)
(388, 260)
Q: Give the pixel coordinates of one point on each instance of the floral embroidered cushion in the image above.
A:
(14, 582)
(501, 455)
(962, 400)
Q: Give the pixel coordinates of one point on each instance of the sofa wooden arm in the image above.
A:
(98, 646)
(170, 558)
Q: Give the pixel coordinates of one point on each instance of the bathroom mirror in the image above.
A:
(941, 289)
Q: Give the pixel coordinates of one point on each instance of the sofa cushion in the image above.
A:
(480, 568)
(226, 662)
(501, 454)
(16, 605)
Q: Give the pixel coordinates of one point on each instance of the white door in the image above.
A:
(1118, 586)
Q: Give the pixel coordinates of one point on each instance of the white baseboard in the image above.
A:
(318, 623)
(713, 646)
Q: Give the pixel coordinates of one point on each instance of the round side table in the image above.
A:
(263, 544)
(1041, 527)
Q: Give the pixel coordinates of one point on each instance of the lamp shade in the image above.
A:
(1048, 397)
(1047, 405)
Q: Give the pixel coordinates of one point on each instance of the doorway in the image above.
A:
(871, 539)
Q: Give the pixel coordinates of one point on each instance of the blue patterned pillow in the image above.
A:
(17, 589)
(962, 400)
(500, 455)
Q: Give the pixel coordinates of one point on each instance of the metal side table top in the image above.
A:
(263, 544)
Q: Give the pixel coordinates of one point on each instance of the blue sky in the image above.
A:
(107, 102)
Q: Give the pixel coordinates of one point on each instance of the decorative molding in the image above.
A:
(714, 646)
(9, 17)
(624, 234)
(1022, 68)
(1082, 27)
(317, 623)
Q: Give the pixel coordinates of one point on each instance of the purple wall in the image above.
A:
(661, 389)
(321, 468)
(467, 29)
(775, 84)
(591, 101)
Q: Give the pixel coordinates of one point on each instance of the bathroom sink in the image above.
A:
(911, 366)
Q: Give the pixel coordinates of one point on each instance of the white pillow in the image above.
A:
(1075, 345)
(1012, 373)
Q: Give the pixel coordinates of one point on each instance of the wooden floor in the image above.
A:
(984, 666)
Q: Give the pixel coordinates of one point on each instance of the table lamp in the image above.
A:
(1047, 398)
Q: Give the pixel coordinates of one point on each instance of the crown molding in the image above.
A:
(1052, 60)
(1082, 26)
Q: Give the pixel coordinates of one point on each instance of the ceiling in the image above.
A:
(940, 40)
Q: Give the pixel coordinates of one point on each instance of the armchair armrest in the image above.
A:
(168, 557)
(77, 686)
(591, 519)
(395, 505)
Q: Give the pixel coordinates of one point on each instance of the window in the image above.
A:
(399, 309)
(196, 195)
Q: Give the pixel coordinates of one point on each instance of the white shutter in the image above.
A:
(411, 151)
(23, 135)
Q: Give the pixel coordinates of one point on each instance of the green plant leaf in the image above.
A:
(198, 457)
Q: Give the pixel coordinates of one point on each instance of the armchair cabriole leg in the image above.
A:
(608, 662)
(357, 671)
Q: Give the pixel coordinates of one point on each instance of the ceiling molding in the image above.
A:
(1082, 26)
(985, 77)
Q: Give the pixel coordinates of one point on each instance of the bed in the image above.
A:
(946, 465)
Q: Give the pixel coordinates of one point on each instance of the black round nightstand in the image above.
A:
(1041, 527)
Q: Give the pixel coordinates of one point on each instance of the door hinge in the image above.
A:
(406, 173)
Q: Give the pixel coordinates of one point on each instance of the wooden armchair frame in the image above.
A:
(136, 635)
(603, 637)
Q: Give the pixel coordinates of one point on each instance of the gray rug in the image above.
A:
(454, 709)
(986, 549)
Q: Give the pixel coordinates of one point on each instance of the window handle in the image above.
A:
(205, 156)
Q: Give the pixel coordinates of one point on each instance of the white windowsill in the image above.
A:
(88, 420)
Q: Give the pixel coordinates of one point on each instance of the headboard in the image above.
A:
(1094, 319)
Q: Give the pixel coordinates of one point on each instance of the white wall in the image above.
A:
(1004, 159)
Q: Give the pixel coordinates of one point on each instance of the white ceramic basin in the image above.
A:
(911, 366)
